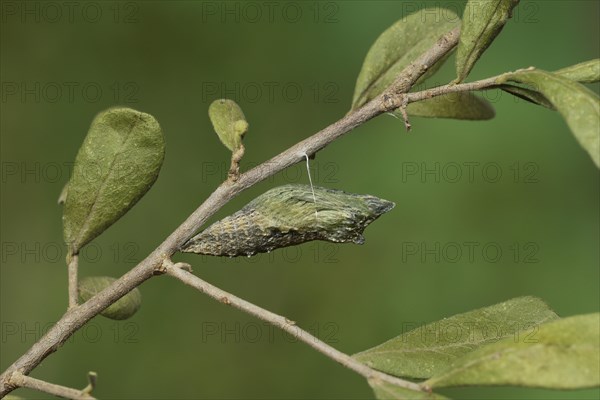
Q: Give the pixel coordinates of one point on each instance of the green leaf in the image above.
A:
(118, 162)
(482, 22)
(563, 354)
(460, 105)
(387, 391)
(229, 122)
(397, 47)
(123, 308)
(579, 106)
(427, 350)
(585, 72)
(529, 95)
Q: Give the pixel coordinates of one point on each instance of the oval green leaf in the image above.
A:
(427, 350)
(229, 122)
(387, 391)
(460, 105)
(585, 72)
(563, 354)
(123, 308)
(118, 162)
(578, 105)
(397, 47)
(482, 22)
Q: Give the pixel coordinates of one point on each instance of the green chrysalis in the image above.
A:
(285, 216)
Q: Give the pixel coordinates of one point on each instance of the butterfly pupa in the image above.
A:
(285, 216)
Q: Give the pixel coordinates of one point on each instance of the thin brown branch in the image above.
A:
(484, 84)
(285, 324)
(73, 269)
(17, 379)
(76, 317)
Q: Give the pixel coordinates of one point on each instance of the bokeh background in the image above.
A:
(292, 67)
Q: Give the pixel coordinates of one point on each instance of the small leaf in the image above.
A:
(118, 162)
(460, 105)
(387, 391)
(482, 22)
(397, 47)
(585, 72)
(563, 354)
(579, 106)
(229, 122)
(529, 95)
(429, 349)
(123, 308)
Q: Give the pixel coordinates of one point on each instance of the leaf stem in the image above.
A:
(73, 268)
(236, 157)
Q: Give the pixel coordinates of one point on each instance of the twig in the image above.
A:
(76, 317)
(404, 113)
(73, 268)
(17, 379)
(484, 84)
(284, 324)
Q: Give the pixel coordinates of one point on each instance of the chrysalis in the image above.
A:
(285, 216)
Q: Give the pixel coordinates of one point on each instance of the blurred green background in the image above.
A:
(292, 67)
